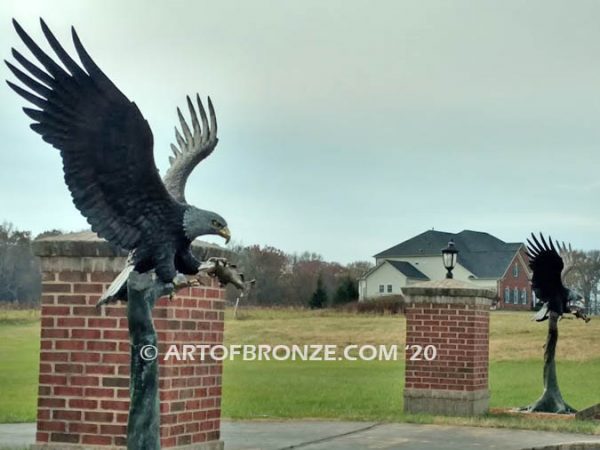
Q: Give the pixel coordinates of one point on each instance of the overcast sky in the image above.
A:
(345, 127)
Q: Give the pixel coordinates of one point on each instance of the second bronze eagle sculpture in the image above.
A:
(107, 151)
(550, 266)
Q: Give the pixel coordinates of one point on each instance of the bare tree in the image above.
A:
(268, 266)
(357, 269)
(291, 279)
(585, 275)
(20, 278)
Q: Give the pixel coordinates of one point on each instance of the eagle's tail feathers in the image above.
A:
(117, 289)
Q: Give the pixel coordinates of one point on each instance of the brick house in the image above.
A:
(483, 260)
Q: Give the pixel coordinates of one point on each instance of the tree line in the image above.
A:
(282, 279)
(20, 274)
(297, 279)
(20, 277)
(585, 278)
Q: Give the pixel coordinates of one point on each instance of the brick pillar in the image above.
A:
(454, 317)
(83, 398)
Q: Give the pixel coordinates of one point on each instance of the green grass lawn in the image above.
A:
(19, 358)
(519, 383)
(342, 389)
(354, 390)
(360, 390)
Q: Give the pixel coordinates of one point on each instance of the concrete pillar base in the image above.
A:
(210, 445)
(446, 402)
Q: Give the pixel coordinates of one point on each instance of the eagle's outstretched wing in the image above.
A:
(568, 256)
(547, 266)
(105, 142)
(191, 148)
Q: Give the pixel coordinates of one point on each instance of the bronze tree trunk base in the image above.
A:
(143, 425)
(551, 400)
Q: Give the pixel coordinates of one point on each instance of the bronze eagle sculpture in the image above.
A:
(107, 151)
(548, 284)
(549, 272)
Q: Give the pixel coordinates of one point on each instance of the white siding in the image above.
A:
(383, 275)
(431, 266)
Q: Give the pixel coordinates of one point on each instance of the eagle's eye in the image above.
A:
(216, 224)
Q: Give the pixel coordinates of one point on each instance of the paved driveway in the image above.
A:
(331, 435)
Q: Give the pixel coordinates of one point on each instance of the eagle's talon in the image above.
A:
(195, 282)
(179, 280)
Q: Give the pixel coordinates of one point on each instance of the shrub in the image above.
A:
(346, 291)
(319, 297)
(392, 304)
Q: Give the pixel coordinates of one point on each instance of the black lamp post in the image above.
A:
(449, 255)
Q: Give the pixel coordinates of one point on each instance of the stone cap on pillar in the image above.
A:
(86, 252)
(88, 244)
(447, 288)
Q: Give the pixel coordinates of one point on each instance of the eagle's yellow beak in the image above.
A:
(224, 232)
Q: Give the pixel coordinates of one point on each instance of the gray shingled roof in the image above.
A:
(481, 253)
(409, 270)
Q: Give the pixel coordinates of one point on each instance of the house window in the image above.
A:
(389, 288)
(506, 295)
(524, 296)
(516, 270)
(381, 288)
(516, 296)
